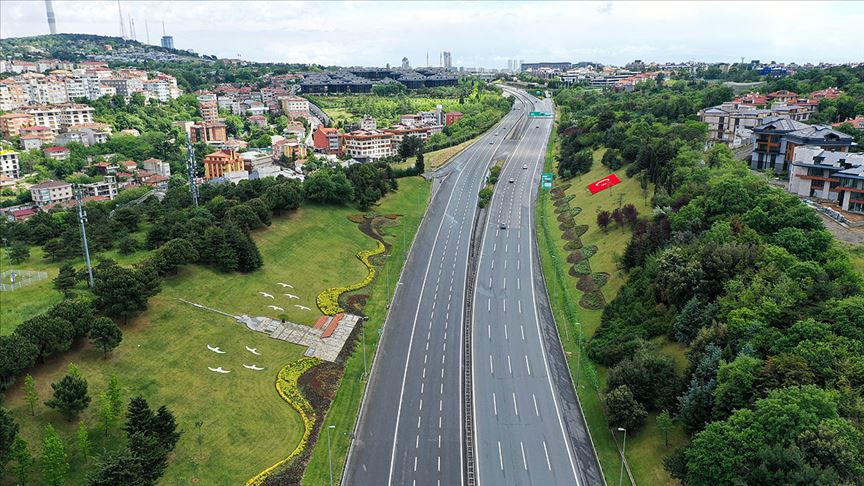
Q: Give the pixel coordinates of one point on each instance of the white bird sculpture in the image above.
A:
(218, 370)
(291, 296)
(253, 351)
(283, 284)
(303, 307)
(265, 294)
(215, 349)
(276, 307)
(252, 367)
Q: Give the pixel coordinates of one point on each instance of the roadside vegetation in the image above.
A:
(729, 309)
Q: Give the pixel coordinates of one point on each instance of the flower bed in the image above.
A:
(286, 385)
(328, 299)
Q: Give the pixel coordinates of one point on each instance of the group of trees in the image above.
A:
(150, 436)
(771, 311)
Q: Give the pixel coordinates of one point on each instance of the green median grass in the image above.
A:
(234, 425)
(410, 201)
(645, 450)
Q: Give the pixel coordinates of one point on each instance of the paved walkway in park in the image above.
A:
(319, 346)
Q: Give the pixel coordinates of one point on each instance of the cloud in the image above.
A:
(477, 33)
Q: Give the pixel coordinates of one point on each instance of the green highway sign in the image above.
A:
(546, 180)
(537, 114)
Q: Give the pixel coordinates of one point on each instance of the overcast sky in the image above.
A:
(478, 33)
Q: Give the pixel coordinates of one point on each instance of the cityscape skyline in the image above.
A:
(604, 32)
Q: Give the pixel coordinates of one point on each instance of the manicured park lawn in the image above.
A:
(646, 449)
(234, 425)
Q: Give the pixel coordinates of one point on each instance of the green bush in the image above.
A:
(581, 229)
(589, 251)
(581, 268)
(600, 279)
(573, 245)
(593, 300)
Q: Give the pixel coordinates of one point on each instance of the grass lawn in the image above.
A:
(19, 305)
(433, 160)
(234, 425)
(645, 450)
(410, 201)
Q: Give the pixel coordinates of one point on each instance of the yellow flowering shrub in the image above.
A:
(328, 299)
(286, 385)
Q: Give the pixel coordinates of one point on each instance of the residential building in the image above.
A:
(167, 42)
(452, 117)
(56, 153)
(826, 175)
(209, 107)
(51, 192)
(857, 123)
(368, 123)
(326, 140)
(368, 144)
(31, 142)
(208, 132)
(851, 189)
(43, 133)
(777, 137)
(732, 123)
(296, 130)
(12, 123)
(9, 165)
(58, 117)
(107, 188)
(259, 120)
(157, 167)
(222, 162)
(291, 150)
(421, 131)
(294, 106)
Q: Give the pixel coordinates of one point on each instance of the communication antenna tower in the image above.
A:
(190, 168)
(82, 219)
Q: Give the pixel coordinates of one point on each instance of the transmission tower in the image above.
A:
(190, 168)
(82, 218)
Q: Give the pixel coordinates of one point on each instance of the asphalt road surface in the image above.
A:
(529, 426)
(410, 426)
(528, 422)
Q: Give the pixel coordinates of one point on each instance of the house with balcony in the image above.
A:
(777, 137)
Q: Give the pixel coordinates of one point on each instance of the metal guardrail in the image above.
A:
(467, 391)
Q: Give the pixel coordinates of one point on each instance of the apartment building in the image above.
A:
(106, 188)
(9, 165)
(326, 140)
(51, 192)
(294, 106)
(732, 123)
(776, 139)
(452, 117)
(12, 123)
(828, 175)
(157, 167)
(368, 144)
(209, 107)
(59, 117)
(208, 132)
(222, 162)
(56, 153)
(38, 132)
(421, 131)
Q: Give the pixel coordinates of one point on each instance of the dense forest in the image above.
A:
(741, 273)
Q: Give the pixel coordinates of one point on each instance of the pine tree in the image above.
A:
(8, 432)
(83, 438)
(30, 395)
(70, 394)
(139, 417)
(165, 428)
(66, 279)
(105, 335)
(55, 461)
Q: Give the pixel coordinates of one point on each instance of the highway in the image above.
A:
(409, 431)
(528, 423)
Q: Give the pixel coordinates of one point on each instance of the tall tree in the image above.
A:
(17, 353)
(120, 292)
(70, 395)
(118, 467)
(30, 395)
(55, 460)
(66, 279)
(18, 253)
(8, 432)
(82, 436)
(664, 424)
(23, 461)
(105, 335)
(623, 410)
(49, 334)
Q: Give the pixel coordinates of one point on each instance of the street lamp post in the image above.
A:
(329, 456)
(623, 449)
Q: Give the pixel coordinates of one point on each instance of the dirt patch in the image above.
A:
(356, 303)
(575, 257)
(564, 217)
(581, 229)
(567, 225)
(569, 235)
(559, 201)
(356, 218)
(593, 300)
(585, 284)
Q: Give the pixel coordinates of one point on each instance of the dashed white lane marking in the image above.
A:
(494, 404)
(522, 330)
(527, 365)
(489, 331)
(489, 305)
(517, 264)
(546, 451)
(500, 457)
(505, 332)
(504, 283)
(509, 366)
(491, 369)
(504, 304)
(439, 463)
(415, 463)
(518, 283)
(536, 410)
(524, 462)
(421, 404)
(422, 386)
(520, 306)
(417, 441)
(418, 421)
(515, 406)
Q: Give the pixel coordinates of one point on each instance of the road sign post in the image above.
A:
(546, 180)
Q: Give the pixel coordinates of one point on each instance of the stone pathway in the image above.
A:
(326, 348)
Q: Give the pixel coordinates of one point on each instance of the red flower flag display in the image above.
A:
(603, 183)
